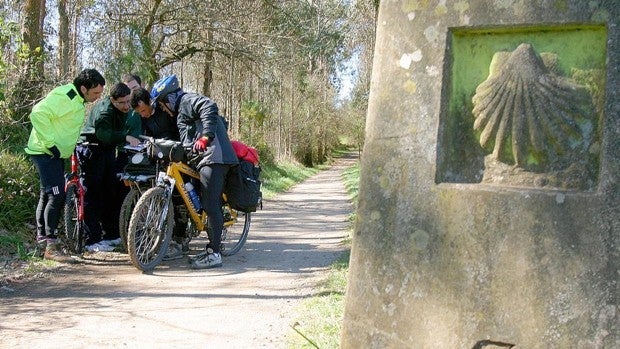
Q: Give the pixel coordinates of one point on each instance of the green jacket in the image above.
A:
(134, 124)
(108, 124)
(56, 121)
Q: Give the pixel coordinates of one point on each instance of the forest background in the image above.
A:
(291, 76)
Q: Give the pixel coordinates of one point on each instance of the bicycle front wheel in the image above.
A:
(235, 232)
(73, 226)
(130, 201)
(149, 230)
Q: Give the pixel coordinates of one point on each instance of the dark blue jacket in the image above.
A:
(197, 116)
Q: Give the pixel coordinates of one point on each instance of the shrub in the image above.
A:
(19, 187)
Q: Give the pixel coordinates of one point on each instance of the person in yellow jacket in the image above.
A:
(56, 123)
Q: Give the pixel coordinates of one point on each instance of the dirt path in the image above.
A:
(248, 303)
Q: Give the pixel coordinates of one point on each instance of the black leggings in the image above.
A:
(51, 194)
(212, 185)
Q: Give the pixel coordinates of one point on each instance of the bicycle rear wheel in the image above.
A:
(149, 231)
(235, 232)
(129, 203)
(74, 228)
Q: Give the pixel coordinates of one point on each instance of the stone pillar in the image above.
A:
(489, 199)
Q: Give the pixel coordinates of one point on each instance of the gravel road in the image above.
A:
(250, 302)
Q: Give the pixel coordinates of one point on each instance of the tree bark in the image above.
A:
(64, 41)
(32, 36)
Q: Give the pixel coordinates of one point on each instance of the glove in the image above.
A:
(201, 144)
(55, 152)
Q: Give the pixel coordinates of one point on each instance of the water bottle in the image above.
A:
(193, 195)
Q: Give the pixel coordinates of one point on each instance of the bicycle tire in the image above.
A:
(146, 242)
(235, 235)
(74, 229)
(129, 203)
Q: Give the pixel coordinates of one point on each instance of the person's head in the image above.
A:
(163, 90)
(89, 84)
(132, 81)
(120, 97)
(141, 102)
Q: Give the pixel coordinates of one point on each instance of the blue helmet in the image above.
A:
(163, 87)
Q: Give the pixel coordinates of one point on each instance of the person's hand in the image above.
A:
(133, 141)
(55, 152)
(201, 144)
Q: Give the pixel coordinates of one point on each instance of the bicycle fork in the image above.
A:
(167, 183)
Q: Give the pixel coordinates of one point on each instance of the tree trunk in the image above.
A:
(208, 75)
(32, 36)
(28, 87)
(64, 42)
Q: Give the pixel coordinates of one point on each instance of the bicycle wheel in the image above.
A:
(235, 232)
(149, 232)
(127, 207)
(74, 228)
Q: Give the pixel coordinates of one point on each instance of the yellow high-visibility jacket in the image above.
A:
(56, 121)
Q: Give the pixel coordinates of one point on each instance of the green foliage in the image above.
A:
(13, 245)
(255, 111)
(265, 153)
(19, 188)
(8, 30)
(351, 178)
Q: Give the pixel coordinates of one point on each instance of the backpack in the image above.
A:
(242, 186)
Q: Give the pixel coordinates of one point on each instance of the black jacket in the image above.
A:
(198, 116)
(160, 125)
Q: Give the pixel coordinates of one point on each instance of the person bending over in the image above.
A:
(56, 123)
(200, 125)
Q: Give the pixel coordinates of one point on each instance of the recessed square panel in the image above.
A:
(523, 106)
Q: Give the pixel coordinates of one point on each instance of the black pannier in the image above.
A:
(243, 187)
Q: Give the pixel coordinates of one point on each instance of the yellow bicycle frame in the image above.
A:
(174, 174)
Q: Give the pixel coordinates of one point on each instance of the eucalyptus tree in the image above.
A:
(311, 43)
(71, 24)
(151, 36)
(360, 45)
(269, 64)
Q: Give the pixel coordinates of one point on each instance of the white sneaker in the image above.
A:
(99, 247)
(199, 255)
(114, 242)
(207, 261)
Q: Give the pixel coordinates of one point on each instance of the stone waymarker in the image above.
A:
(489, 200)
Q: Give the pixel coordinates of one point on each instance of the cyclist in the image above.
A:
(106, 127)
(132, 81)
(158, 124)
(56, 122)
(200, 125)
(155, 121)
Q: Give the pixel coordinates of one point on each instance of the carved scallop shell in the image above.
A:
(528, 114)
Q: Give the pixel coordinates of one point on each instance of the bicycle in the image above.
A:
(75, 228)
(138, 175)
(150, 227)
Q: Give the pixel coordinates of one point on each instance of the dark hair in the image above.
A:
(88, 78)
(138, 95)
(128, 77)
(119, 90)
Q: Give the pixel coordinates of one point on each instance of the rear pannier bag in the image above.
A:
(243, 187)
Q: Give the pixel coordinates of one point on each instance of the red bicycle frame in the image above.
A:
(74, 178)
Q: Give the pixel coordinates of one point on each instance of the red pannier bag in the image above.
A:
(245, 152)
